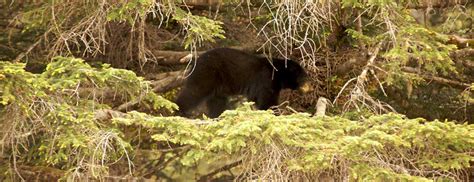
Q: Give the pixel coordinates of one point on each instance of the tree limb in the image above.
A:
(173, 81)
(468, 52)
(172, 57)
(107, 114)
(363, 75)
(169, 81)
(23, 54)
(224, 168)
(461, 42)
(440, 80)
(40, 173)
(354, 63)
(161, 76)
(125, 106)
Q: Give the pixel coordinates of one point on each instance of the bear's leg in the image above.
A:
(216, 105)
(265, 100)
(189, 98)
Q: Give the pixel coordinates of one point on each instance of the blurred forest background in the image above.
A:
(87, 90)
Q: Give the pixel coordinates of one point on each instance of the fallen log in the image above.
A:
(174, 80)
(173, 57)
(461, 42)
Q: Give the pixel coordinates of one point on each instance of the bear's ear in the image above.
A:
(282, 63)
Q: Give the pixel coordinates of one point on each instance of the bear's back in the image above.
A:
(230, 64)
(230, 71)
(227, 57)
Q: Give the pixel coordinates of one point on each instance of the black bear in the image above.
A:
(223, 72)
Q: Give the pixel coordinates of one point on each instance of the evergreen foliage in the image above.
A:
(47, 108)
(55, 118)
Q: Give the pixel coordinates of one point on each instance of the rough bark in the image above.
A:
(172, 80)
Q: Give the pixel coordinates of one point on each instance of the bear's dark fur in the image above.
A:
(223, 72)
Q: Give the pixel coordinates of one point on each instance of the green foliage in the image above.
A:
(198, 28)
(50, 108)
(456, 20)
(50, 118)
(428, 48)
(90, 18)
(366, 39)
(35, 19)
(369, 3)
(128, 10)
(56, 14)
(468, 95)
(380, 148)
(408, 44)
(417, 44)
(47, 108)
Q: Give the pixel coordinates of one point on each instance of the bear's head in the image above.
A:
(291, 75)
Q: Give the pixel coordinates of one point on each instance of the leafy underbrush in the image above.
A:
(51, 119)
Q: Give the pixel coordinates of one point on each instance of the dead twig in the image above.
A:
(23, 54)
(358, 96)
(126, 106)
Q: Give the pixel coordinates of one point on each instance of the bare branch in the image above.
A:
(444, 81)
(167, 82)
(125, 106)
(172, 57)
(224, 168)
(358, 95)
(23, 54)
